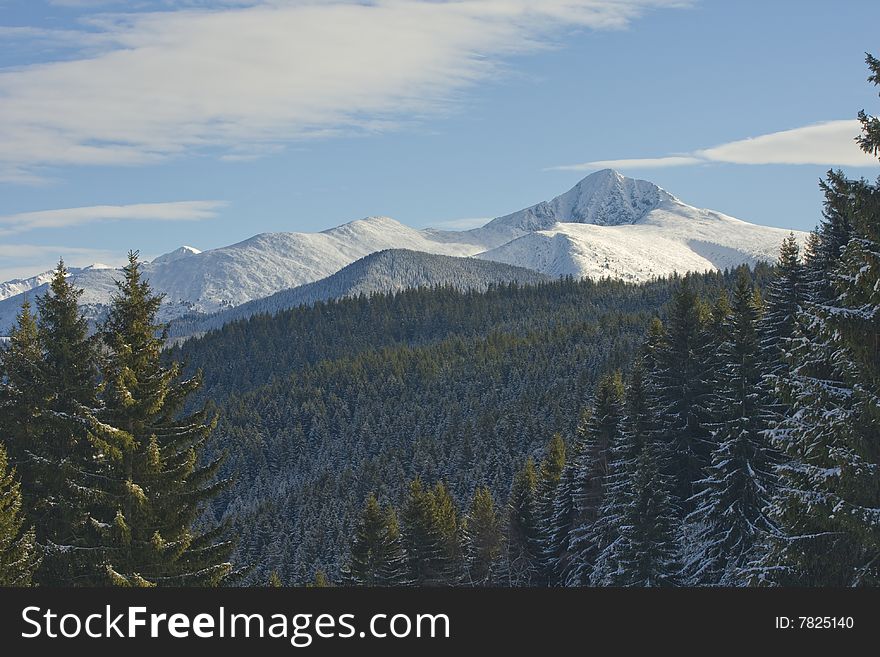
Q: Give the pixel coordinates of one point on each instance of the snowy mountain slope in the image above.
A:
(269, 262)
(655, 234)
(606, 225)
(385, 271)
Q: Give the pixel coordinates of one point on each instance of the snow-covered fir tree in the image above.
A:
(483, 540)
(729, 519)
(603, 432)
(376, 556)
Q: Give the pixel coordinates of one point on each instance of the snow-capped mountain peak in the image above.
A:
(604, 198)
(177, 254)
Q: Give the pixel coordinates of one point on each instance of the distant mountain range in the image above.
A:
(607, 225)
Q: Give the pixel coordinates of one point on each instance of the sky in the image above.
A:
(151, 124)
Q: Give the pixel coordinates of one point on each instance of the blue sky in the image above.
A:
(151, 124)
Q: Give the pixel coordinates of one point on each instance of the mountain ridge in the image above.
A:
(606, 225)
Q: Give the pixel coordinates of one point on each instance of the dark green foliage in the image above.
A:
(523, 534)
(49, 399)
(603, 433)
(645, 551)
(682, 378)
(19, 556)
(425, 530)
(366, 394)
(377, 557)
(153, 487)
(637, 430)
(729, 518)
(549, 478)
(483, 540)
(565, 514)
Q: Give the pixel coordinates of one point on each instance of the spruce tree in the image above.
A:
(549, 477)
(376, 557)
(156, 483)
(729, 518)
(450, 563)
(19, 555)
(784, 299)
(681, 380)
(639, 430)
(523, 538)
(565, 515)
(602, 434)
(422, 538)
(49, 399)
(484, 540)
(645, 552)
(830, 493)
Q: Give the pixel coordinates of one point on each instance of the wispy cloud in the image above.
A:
(830, 143)
(218, 75)
(25, 260)
(65, 217)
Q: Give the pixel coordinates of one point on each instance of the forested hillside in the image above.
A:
(325, 404)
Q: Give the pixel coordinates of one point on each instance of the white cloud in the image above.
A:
(830, 143)
(65, 217)
(637, 163)
(220, 75)
(25, 260)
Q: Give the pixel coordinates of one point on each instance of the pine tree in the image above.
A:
(830, 493)
(681, 380)
(602, 434)
(639, 429)
(376, 557)
(785, 298)
(729, 520)
(49, 402)
(523, 539)
(549, 477)
(23, 394)
(19, 556)
(422, 537)
(645, 552)
(565, 516)
(155, 486)
(448, 525)
(484, 540)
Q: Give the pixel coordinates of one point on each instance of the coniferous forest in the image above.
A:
(715, 429)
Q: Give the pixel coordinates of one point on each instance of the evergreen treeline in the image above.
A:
(101, 476)
(310, 446)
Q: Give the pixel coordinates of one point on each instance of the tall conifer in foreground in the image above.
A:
(19, 556)
(484, 540)
(603, 433)
(681, 381)
(645, 552)
(523, 537)
(156, 485)
(376, 555)
(729, 518)
(49, 402)
(639, 430)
